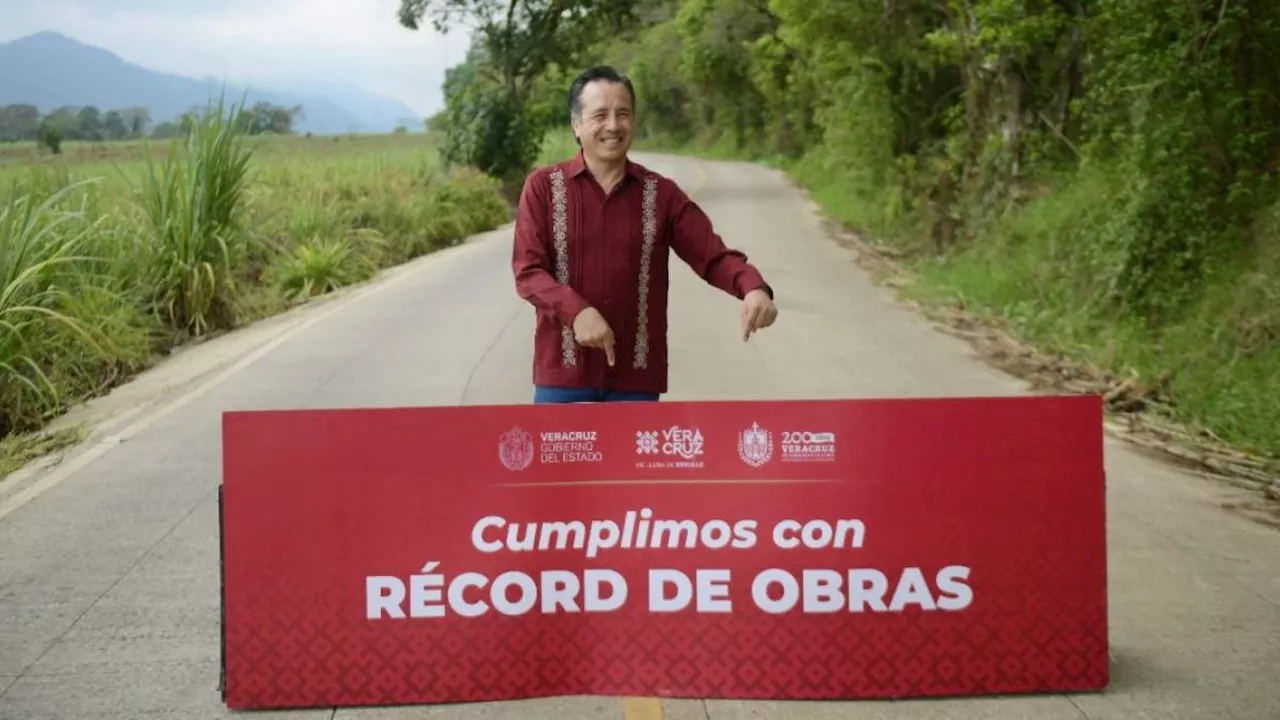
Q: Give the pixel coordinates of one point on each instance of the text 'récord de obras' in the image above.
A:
(430, 594)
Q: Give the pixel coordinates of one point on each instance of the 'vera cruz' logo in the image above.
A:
(755, 445)
(515, 449)
(675, 441)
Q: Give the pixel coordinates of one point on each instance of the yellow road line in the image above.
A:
(642, 708)
(650, 708)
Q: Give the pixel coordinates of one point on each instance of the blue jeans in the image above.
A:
(543, 394)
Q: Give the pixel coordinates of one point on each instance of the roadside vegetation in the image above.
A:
(1086, 190)
(111, 258)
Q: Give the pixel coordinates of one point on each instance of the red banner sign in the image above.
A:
(787, 550)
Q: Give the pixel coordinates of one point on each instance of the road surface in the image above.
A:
(109, 560)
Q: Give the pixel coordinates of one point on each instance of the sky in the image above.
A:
(260, 42)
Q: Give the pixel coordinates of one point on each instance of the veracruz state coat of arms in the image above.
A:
(755, 445)
(515, 449)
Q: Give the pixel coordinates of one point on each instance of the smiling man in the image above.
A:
(591, 255)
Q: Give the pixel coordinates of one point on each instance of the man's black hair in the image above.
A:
(599, 72)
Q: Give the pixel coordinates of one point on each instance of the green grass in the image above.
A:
(1039, 270)
(112, 254)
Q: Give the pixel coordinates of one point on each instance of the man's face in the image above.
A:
(606, 122)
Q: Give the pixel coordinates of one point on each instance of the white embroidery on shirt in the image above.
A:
(649, 210)
(560, 228)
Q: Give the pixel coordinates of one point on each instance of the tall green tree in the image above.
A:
(491, 119)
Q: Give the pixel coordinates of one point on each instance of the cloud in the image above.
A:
(356, 42)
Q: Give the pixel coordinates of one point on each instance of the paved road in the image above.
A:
(108, 561)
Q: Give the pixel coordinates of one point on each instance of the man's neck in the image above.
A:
(607, 174)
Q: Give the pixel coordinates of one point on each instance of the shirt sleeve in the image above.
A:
(532, 261)
(696, 242)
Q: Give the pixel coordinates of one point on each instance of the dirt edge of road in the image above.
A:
(1136, 412)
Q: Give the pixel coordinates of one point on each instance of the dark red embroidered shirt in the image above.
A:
(576, 247)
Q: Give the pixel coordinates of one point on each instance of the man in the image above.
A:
(591, 241)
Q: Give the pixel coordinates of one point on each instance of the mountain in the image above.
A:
(368, 108)
(50, 70)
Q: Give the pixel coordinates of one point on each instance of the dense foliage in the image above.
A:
(493, 119)
(1099, 173)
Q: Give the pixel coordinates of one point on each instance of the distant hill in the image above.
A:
(50, 70)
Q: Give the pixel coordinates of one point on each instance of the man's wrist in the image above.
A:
(572, 309)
